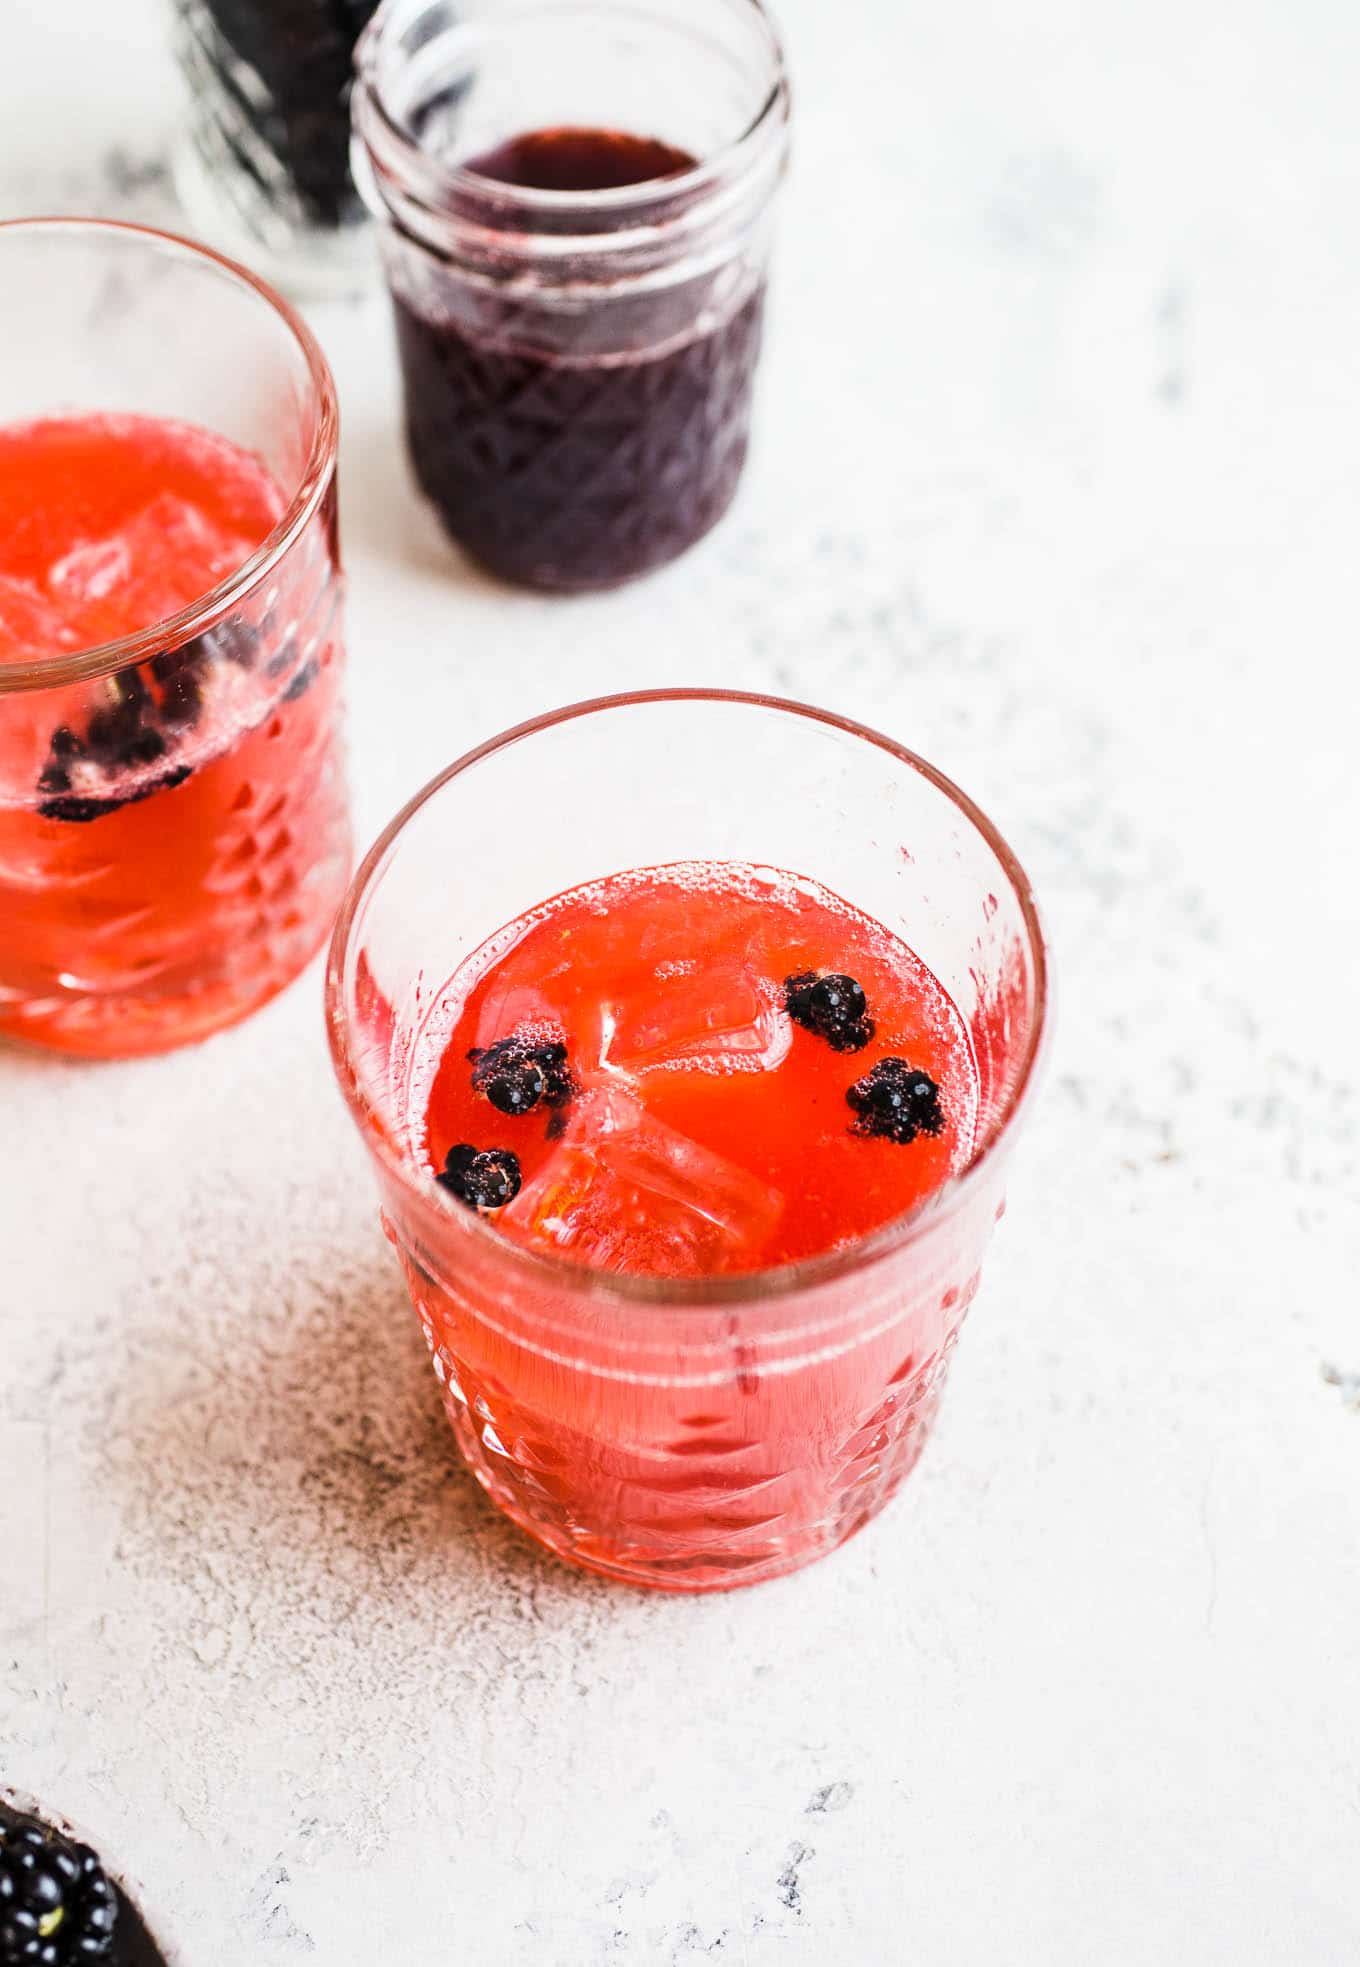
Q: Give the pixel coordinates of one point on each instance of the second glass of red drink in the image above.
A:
(688, 1033)
(174, 834)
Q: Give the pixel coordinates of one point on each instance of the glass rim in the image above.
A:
(52, 672)
(686, 1293)
(645, 198)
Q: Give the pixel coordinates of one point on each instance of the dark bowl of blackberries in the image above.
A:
(58, 1905)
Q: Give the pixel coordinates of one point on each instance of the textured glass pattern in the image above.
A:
(685, 1486)
(191, 889)
(566, 472)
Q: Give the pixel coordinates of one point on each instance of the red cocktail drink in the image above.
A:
(173, 825)
(678, 1070)
(691, 1165)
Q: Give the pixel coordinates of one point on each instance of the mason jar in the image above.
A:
(575, 201)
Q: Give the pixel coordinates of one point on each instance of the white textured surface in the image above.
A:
(1057, 481)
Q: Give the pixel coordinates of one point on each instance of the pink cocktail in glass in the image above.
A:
(173, 821)
(690, 1160)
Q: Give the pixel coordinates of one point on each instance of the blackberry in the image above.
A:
(514, 1086)
(62, 753)
(134, 693)
(79, 807)
(832, 1006)
(74, 807)
(182, 699)
(123, 735)
(137, 724)
(57, 1908)
(179, 673)
(518, 1072)
(895, 1101)
(145, 748)
(114, 733)
(170, 663)
(483, 1181)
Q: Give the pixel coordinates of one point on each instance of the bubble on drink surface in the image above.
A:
(514, 1007)
(622, 1191)
(720, 1018)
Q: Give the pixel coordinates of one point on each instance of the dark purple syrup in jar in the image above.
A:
(581, 466)
(569, 159)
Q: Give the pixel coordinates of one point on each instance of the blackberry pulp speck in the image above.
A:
(583, 465)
